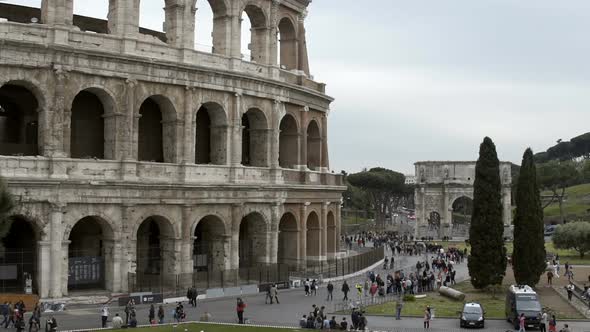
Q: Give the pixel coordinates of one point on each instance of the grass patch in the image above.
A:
(206, 328)
(447, 308)
(354, 220)
(443, 306)
(576, 203)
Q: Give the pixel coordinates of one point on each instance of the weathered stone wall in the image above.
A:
(126, 69)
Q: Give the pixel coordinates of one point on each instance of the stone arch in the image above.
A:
(287, 43)
(288, 247)
(210, 245)
(19, 248)
(314, 145)
(89, 135)
(313, 231)
(155, 253)
(288, 142)
(157, 130)
(461, 209)
(255, 138)
(332, 234)
(255, 15)
(210, 134)
(253, 240)
(91, 243)
(19, 119)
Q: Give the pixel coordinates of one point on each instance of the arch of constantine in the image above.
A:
(129, 151)
(443, 189)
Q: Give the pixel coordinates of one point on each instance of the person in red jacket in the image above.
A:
(240, 310)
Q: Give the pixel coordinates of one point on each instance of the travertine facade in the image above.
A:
(439, 184)
(128, 144)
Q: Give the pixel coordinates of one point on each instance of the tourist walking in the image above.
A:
(330, 289)
(273, 293)
(240, 307)
(552, 324)
(152, 315)
(306, 287)
(314, 287)
(4, 313)
(345, 290)
(570, 291)
(398, 309)
(549, 278)
(51, 325)
(161, 314)
(104, 315)
(543, 320)
(10, 315)
(427, 317)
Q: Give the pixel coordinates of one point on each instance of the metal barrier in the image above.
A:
(339, 267)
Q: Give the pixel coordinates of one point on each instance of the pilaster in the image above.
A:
(57, 255)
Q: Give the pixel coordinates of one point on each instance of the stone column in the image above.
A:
(186, 253)
(65, 264)
(276, 212)
(57, 255)
(302, 164)
(236, 137)
(44, 272)
(114, 261)
(303, 61)
(128, 249)
(325, 163)
(180, 23)
(235, 18)
(188, 156)
(236, 218)
(446, 223)
(507, 205)
(273, 33)
(60, 15)
(338, 221)
(324, 231)
(123, 18)
(303, 236)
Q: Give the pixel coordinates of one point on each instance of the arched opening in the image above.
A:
(253, 241)
(287, 40)
(331, 234)
(254, 139)
(19, 123)
(90, 255)
(155, 254)
(209, 251)
(99, 11)
(313, 237)
(288, 137)
(210, 135)
(152, 15)
(157, 130)
(462, 210)
(221, 26)
(204, 22)
(314, 146)
(87, 127)
(18, 255)
(288, 247)
(254, 34)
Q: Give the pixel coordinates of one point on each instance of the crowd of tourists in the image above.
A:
(13, 316)
(318, 320)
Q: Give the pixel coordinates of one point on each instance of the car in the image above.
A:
(550, 230)
(472, 315)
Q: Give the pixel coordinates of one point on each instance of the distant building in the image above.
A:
(410, 179)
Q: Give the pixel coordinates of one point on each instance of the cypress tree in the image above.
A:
(528, 257)
(487, 263)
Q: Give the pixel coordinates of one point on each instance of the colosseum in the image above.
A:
(138, 162)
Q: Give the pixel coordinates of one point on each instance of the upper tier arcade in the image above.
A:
(271, 58)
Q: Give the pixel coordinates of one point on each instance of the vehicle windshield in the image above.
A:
(528, 303)
(472, 310)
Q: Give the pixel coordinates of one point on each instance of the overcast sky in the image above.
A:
(428, 79)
